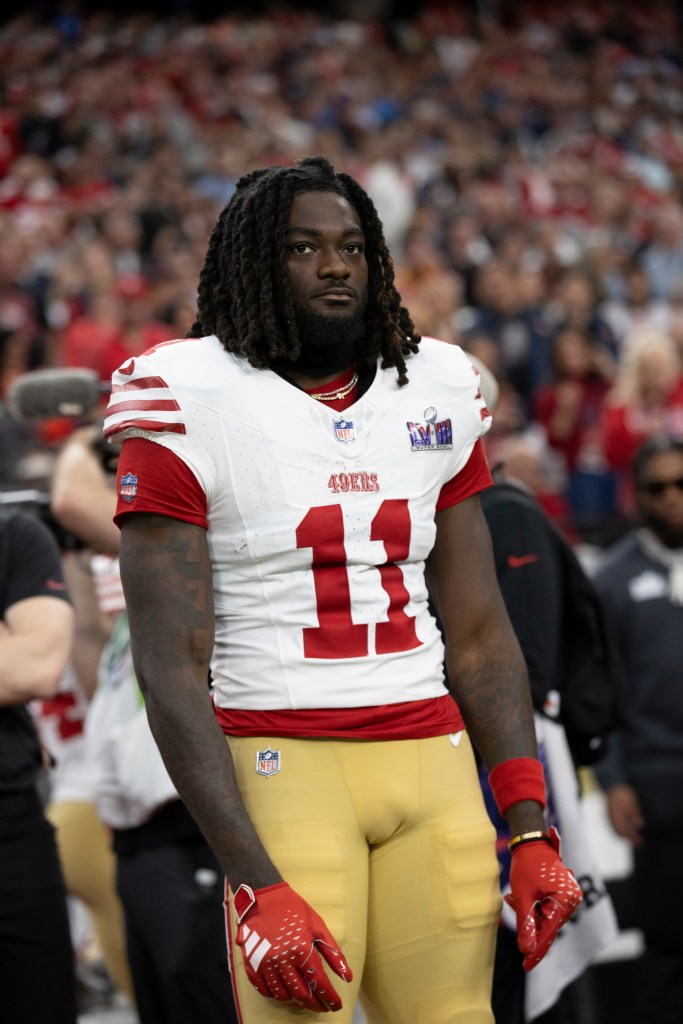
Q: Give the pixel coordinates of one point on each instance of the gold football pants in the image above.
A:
(391, 844)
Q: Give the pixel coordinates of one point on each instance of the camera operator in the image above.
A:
(38, 980)
(82, 492)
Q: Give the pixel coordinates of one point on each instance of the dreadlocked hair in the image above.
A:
(237, 298)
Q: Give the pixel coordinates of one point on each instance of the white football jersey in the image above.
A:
(319, 522)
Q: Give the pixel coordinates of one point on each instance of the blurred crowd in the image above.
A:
(528, 171)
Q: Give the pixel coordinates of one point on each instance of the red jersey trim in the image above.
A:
(141, 384)
(163, 484)
(127, 398)
(474, 476)
(419, 719)
(155, 426)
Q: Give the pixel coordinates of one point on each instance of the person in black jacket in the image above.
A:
(576, 682)
(529, 574)
(37, 978)
(641, 580)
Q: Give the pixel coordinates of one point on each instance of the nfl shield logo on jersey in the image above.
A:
(129, 486)
(343, 431)
(267, 762)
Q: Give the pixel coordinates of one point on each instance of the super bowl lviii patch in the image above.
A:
(432, 435)
(267, 762)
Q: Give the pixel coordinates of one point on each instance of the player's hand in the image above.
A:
(544, 894)
(282, 940)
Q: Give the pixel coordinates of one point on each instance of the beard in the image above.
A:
(328, 330)
(670, 536)
(329, 342)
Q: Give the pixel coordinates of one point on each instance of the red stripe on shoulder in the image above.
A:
(154, 426)
(140, 383)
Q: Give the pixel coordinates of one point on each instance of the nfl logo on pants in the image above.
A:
(267, 762)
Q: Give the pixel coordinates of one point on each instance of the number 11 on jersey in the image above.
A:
(336, 635)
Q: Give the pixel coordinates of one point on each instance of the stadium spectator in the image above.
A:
(521, 332)
(571, 411)
(530, 139)
(645, 402)
(575, 303)
(528, 458)
(570, 408)
(638, 307)
(663, 258)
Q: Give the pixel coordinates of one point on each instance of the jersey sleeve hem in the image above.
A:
(475, 476)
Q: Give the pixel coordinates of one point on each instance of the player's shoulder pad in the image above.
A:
(191, 362)
(448, 372)
(148, 391)
(446, 363)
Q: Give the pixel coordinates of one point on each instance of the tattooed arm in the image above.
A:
(485, 664)
(166, 573)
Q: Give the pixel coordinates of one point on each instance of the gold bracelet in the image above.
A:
(527, 837)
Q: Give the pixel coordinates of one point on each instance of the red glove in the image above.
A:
(544, 894)
(281, 938)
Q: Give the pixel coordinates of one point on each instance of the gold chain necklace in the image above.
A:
(333, 396)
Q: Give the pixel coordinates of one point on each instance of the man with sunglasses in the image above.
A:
(642, 774)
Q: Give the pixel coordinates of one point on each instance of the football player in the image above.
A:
(294, 474)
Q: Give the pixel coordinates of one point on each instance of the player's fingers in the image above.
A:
(324, 992)
(527, 923)
(335, 958)
(324, 1000)
(275, 987)
(320, 985)
(553, 913)
(303, 995)
(536, 955)
(527, 930)
(546, 936)
(295, 981)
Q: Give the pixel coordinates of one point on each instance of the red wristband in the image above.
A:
(520, 778)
